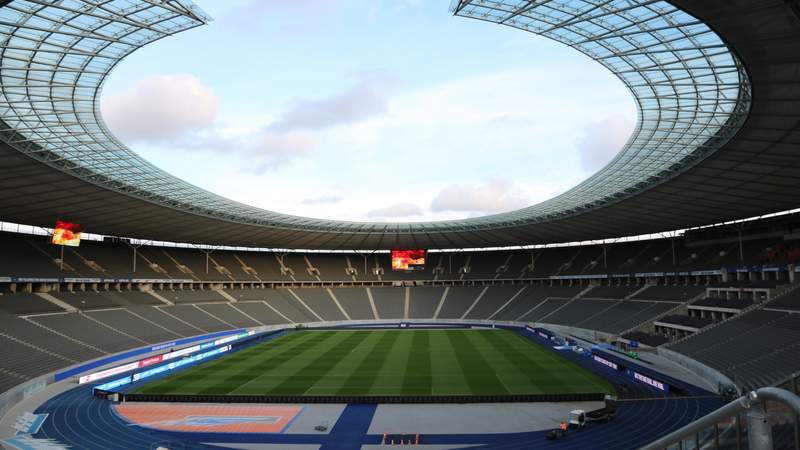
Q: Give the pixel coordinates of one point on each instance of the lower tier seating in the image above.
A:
(754, 348)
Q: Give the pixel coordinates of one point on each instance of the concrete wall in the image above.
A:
(695, 367)
(20, 392)
(583, 333)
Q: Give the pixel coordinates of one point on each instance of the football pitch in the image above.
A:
(387, 363)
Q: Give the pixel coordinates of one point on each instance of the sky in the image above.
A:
(368, 110)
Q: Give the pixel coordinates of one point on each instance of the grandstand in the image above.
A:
(293, 312)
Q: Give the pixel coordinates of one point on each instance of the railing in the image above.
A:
(706, 432)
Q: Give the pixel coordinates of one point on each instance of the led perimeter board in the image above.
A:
(408, 260)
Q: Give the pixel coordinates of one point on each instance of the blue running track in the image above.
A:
(80, 420)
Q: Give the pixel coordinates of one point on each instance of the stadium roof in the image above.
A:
(716, 84)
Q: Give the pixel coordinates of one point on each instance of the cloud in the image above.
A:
(396, 210)
(364, 100)
(445, 124)
(277, 149)
(507, 120)
(603, 140)
(492, 196)
(292, 134)
(267, 143)
(322, 200)
(161, 107)
(259, 151)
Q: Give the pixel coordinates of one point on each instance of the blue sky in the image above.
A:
(368, 110)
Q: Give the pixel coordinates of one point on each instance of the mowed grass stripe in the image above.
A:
(273, 375)
(387, 362)
(365, 374)
(259, 364)
(390, 377)
(583, 378)
(528, 365)
(481, 378)
(335, 378)
(448, 379)
(417, 379)
(580, 379)
(236, 359)
(230, 367)
(314, 370)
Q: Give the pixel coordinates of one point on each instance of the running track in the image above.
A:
(84, 422)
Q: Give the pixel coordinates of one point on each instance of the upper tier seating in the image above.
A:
(331, 267)
(32, 256)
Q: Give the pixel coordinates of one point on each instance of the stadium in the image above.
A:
(655, 304)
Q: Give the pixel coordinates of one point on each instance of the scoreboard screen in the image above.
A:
(408, 260)
(66, 233)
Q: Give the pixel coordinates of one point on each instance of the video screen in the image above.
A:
(408, 260)
(66, 233)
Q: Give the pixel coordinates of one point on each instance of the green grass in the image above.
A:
(387, 362)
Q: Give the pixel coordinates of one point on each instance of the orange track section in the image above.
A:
(209, 418)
